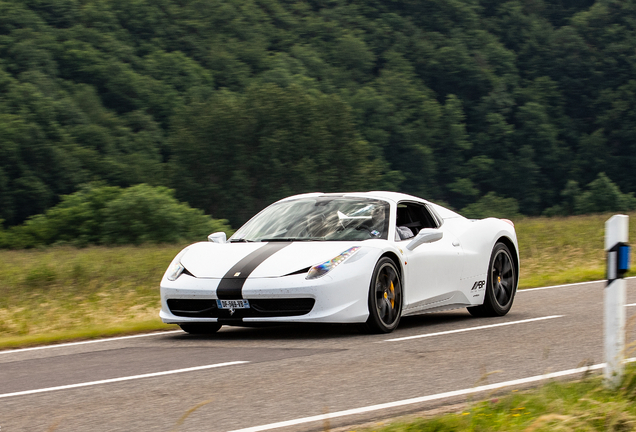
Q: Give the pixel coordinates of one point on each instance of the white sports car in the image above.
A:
(367, 258)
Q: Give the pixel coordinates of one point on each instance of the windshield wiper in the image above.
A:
(240, 241)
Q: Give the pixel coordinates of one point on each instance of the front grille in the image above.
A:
(192, 308)
(200, 308)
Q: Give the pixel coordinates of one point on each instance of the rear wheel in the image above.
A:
(385, 298)
(200, 328)
(501, 285)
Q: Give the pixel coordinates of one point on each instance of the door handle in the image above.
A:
(455, 243)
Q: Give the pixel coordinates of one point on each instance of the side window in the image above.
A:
(411, 218)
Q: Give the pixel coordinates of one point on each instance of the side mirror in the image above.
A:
(218, 237)
(426, 235)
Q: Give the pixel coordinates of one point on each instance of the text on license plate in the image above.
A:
(233, 304)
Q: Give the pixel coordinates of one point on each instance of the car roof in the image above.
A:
(384, 195)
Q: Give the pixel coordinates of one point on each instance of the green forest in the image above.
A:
(229, 105)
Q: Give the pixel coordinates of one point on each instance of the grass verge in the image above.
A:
(584, 405)
(63, 293)
(563, 250)
(93, 332)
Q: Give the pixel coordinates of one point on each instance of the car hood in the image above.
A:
(259, 259)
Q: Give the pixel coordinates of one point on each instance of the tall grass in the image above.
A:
(65, 293)
(563, 249)
(61, 293)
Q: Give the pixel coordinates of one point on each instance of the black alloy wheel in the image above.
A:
(200, 328)
(385, 297)
(501, 285)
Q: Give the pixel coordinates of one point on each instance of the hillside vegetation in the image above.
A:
(62, 293)
(236, 103)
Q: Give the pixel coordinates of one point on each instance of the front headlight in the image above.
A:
(175, 271)
(320, 270)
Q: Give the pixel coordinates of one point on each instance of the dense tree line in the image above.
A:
(235, 103)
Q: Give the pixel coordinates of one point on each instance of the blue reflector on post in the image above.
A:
(623, 258)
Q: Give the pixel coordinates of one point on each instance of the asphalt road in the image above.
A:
(249, 377)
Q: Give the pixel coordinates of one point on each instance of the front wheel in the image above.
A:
(501, 285)
(200, 328)
(385, 298)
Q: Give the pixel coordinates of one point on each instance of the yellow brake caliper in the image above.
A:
(392, 296)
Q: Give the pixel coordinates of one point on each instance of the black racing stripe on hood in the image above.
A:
(230, 287)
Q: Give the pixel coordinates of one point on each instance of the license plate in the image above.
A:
(233, 304)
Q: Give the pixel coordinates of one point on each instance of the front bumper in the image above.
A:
(339, 297)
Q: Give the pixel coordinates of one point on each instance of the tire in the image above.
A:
(501, 284)
(200, 328)
(385, 298)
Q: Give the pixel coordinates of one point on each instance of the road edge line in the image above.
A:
(566, 285)
(428, 398)
(67, 344)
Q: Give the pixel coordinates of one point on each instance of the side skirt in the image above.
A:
(448, 301)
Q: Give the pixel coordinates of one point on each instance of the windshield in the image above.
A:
(319, 218)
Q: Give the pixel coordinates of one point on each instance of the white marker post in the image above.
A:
(616, 237)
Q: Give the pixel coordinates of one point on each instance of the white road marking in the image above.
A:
(421, 399)
(566, 285)
(113, 380)
(559, 286)
(89, 342)
(472, 328)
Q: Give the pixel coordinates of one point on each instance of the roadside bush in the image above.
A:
(77, 219)
(492, 205)
(39, 277)
(99, 214)
(143, 214)
(600, 196)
